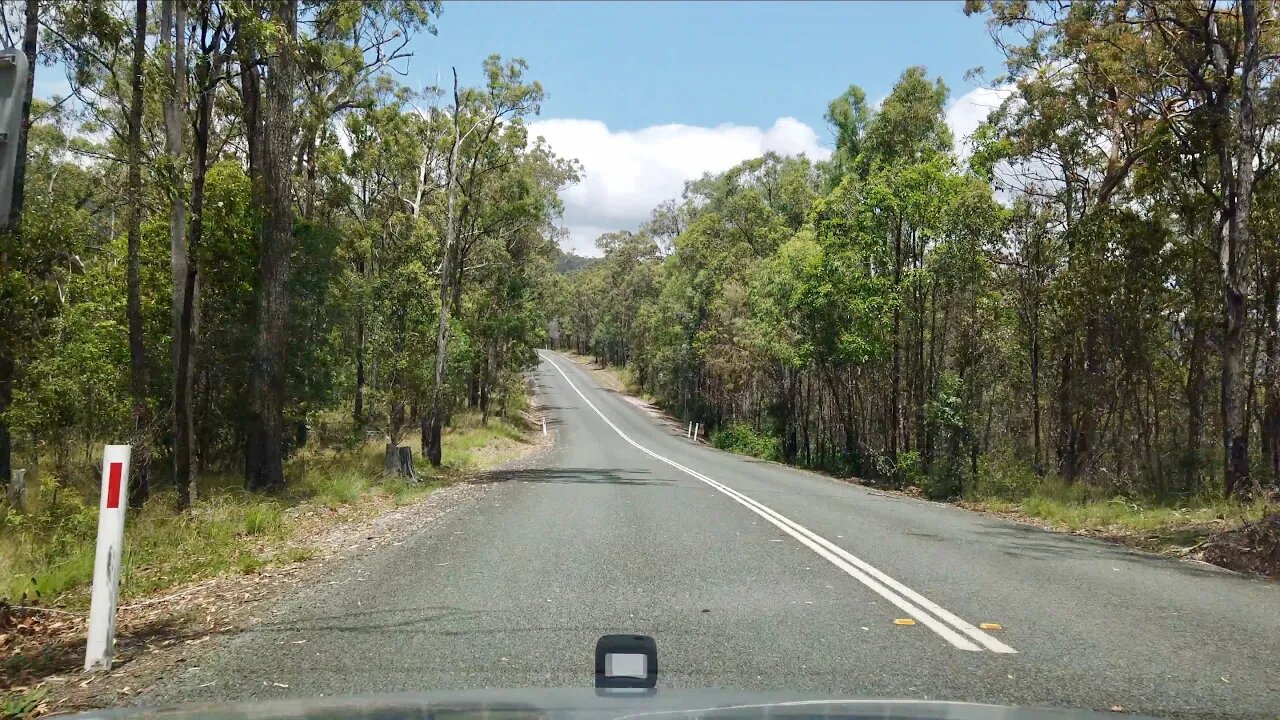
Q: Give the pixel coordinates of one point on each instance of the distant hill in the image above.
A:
(567, 263)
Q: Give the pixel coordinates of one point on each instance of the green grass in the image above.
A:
(335, 485)
(49, 559)
(1149, 522)
(46, 554)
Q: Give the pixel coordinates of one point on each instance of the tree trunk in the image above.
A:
(1066, 422)
(1234, 258)
(357, 413)
(13, 225)
(1091, 375)
(188, 318)
(895, 405)
(6, 397)
(250, 110)
(433, 425)
(140, 483)
(398, 462)
(265, 447)
(173, 31)
(1038, 450)
(30, 34)
(790, 431)
(1271, 378)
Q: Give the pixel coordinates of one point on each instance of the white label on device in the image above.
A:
(626, 665)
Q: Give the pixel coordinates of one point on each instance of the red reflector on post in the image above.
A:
(113, 485)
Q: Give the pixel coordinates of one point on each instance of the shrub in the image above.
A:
(1003, 476)
(742, 438)
(908, 470)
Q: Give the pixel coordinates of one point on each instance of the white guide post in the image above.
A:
(106, 564)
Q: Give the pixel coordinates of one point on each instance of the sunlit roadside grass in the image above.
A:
(1158, 524)
(621, 379)
(46, 553)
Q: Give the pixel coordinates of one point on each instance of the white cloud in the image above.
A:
(967, 112)
(627, 173)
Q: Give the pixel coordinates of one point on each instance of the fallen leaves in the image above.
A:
(1254, 548)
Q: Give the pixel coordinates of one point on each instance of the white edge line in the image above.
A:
(846, 561)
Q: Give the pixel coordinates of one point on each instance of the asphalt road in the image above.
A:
(754, 576)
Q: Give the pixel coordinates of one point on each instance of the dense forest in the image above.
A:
(243, 226)
(1085, 290)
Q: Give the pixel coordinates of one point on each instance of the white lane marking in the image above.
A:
(860, 570)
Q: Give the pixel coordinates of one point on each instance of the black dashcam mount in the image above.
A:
(626, 661)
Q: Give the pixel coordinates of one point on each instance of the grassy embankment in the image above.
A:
(46, 553)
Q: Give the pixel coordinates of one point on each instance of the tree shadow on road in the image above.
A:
(424, 620)
(579, 476)
(373, 619)
(1026, 541)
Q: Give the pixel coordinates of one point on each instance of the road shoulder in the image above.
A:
(162, 636)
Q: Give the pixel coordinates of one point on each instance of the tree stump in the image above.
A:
(398, 461)
(18, 490)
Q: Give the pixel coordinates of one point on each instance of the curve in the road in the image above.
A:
(955, 630)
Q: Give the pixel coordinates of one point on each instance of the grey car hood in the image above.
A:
(587, 704)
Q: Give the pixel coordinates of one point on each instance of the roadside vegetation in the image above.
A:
(1180, 526)
(1073, 312)
(186, 575)
(243, 245)
(46, 553)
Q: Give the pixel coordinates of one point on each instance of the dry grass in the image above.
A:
(46, 554)
(1168, 526)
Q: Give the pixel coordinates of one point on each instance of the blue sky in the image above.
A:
(633, 65)
(649, 95)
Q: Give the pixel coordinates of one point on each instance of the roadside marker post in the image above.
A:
(696, 427)
(106, 564)
(544, 425)
(688, 434)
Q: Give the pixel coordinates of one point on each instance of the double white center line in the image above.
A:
(951, 628)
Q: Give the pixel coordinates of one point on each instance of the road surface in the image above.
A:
(754, 576)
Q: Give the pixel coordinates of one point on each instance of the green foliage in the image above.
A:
(1002, 476)
(74, 384)
(742, 438)
(908, 471)
(1039, 305)
(22, 705)
(1148, 522)
(46, 554)
(263, 519)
